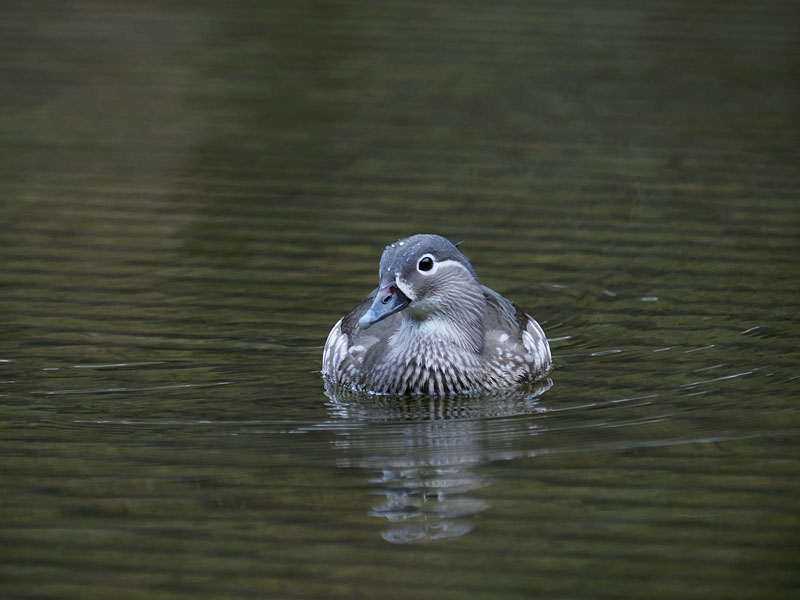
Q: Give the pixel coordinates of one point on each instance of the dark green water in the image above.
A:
(193, 193)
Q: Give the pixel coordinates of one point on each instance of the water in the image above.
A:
(192, 194)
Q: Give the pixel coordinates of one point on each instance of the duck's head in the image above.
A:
(425, 275)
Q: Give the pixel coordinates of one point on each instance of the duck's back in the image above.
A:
(516, 347)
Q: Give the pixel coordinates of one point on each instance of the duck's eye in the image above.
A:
(425, 263)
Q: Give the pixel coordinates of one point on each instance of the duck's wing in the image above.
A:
(516, 334)
(348, 344)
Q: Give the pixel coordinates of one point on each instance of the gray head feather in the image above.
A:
(397, 257)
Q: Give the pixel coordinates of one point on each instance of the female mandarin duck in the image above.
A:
(431, 327)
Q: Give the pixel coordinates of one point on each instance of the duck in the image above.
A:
(430, 327)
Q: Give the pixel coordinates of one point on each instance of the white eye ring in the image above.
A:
(426, 264)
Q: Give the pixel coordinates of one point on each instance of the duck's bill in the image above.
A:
(388, 301)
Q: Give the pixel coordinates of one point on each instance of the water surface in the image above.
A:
(193, 193)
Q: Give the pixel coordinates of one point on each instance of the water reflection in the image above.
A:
(423, 451)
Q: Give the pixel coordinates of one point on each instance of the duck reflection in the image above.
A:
(422, 450)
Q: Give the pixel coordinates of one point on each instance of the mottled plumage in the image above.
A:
(431, 327)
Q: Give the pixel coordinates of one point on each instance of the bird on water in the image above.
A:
(430, 327)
